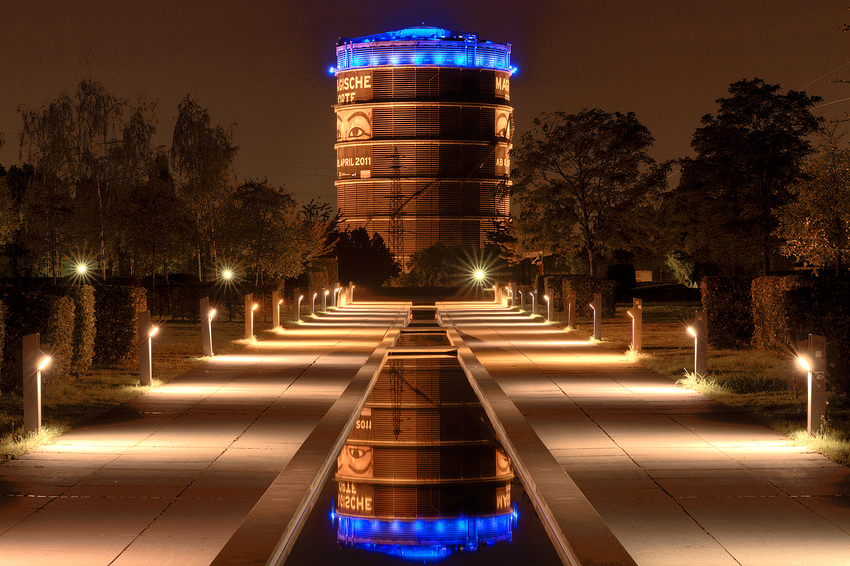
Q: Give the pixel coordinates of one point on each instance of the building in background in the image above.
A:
(424, 128)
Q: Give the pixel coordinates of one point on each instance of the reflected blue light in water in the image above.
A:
(425, 539)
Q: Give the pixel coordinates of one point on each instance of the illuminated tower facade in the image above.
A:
(424, 127)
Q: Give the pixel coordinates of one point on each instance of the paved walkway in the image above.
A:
(168, 478)
(678, 478)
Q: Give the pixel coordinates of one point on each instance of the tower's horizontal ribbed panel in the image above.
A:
(440, 103)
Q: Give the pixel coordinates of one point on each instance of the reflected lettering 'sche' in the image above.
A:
(422, 471)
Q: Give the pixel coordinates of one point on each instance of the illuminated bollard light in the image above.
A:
(548, 308)
(276, 302)
(814, 362)
(297, 297)
(207, 315)
(533, 295)
(521, 298)
(699, 330)
(513, 295)
(495, 292)
(636, 312)
(351, 292)
(250, 307)
(596, 305)
(313, 295)
(35, 361)
(325, 294)
(571, 309)
(147, 331)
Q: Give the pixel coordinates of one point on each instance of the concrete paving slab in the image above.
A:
(668, 470)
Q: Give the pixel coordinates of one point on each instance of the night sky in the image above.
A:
(263, 64)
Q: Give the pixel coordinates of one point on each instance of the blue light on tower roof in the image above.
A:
(422, 46)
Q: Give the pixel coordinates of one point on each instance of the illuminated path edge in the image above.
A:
(576, 530)
(273, 525)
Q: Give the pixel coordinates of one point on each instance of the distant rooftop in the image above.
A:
(422, 46)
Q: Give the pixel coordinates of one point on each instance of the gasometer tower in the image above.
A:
(424, 128)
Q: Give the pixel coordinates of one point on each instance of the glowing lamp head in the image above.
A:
(479, 274)
(280, 302)
(212, 313)
(692, 332)
(227, 274)
(254, 306)
(327, 292)
(546, 297)
(153, 331)
(803, 362)
(82, 268)
(44, 362)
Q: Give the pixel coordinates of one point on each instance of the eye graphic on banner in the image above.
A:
(354, 124)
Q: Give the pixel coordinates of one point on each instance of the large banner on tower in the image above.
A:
(354, 87)
(354, 162)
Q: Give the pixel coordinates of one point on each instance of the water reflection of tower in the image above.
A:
(422, 471)
(440, 101)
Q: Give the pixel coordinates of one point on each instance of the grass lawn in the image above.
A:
(770, 388)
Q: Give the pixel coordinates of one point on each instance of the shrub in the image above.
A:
(585, 287)
(623, 274)
(727, 302)
(2, 332)
(787, 309)
(771, 315)
(117, 310)
(40, 310)
(553, 286)
(84, 328)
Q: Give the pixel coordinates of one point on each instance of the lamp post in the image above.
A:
(814, 362)
(636, 312)
(548, 308)
(533, 294)
(495, 292)
(513, 295)
(296, 303)
(313, 295)
(147, 331)
(207, 315)
(35, 361)
(276, 302)
(325, 294)
(571, 309)
(699, 330)
(596, 305)
(351, 292)
(521, 299)
(250, 307)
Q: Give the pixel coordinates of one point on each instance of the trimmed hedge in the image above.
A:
(40, 310)
(84, 328)
(553, 285)
(728, 304)
(117, 310)
(585, 287)
(787, 309)
(2, 335)
(771, 312)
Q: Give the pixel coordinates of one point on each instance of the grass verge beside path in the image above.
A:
(70, 402)
(771, 389)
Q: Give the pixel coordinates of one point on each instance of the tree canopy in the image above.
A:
(747, 156)
(578, 179)
(815, 225)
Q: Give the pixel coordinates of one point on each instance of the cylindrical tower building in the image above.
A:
(424, 127)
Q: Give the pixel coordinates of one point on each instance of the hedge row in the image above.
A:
(788, 309)
(728, 304)
(772, 312)
(117, 334)
(43, 311)
(586, 287)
